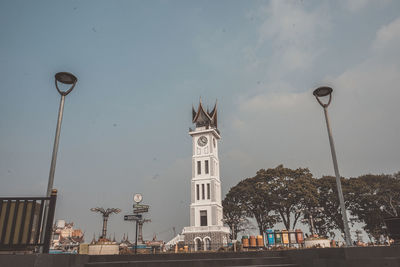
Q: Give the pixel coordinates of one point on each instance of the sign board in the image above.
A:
(132, 217)
(140, 210)
(140, 206)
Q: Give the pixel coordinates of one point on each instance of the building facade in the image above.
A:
(206, 230)
(66, 238)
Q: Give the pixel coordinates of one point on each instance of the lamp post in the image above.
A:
(68, 79)
(318, 93)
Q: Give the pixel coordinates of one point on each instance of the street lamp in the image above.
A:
(68, 79)
(319, 93)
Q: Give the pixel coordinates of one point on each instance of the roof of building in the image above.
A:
(203, 117)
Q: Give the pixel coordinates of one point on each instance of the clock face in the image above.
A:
(137, 198)
(202, 141)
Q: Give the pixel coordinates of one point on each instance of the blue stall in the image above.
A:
(270, 237)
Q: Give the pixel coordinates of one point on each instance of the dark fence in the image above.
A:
(22, 223)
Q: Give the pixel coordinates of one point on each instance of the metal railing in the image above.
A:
(22, 222)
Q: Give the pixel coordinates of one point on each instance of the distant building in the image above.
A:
(103, 246)
(65, 238)
(155, 245)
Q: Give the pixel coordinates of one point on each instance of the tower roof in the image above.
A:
(203, 117)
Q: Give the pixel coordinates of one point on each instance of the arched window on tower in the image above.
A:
(197, 244)
(207, 243)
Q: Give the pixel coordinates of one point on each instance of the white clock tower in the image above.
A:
(206, 230)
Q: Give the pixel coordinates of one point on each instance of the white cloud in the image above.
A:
(290, 30)
(388, 37)
(358, 5)
(273, 102)
(288, 22)
(355, 5)
(284, 124)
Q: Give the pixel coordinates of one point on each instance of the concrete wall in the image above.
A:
(327, 257)
(104, 249)
(346, 257)
(43, 260)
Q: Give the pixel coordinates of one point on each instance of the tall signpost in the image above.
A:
(138, 209)
(322, 92)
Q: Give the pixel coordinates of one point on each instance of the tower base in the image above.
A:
(204, 238)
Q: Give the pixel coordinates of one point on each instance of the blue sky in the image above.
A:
(142, 64)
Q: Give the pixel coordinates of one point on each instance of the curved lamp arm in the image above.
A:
(321, 92)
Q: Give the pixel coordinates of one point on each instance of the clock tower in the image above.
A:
(206, 230)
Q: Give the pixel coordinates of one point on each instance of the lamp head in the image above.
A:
(322, 91)
(65, 78)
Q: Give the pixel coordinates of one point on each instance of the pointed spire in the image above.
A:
(213, 112)
(94, 239)
(213, 115)
(204, 117)
(193, 112)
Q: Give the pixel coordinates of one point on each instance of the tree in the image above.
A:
(328, 199)
(372, 198)
(254, 201)
(234, 212)
(257, 203)
(291, 191)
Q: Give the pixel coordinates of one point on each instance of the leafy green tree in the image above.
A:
(372, 198)
(257, 203)
(291, 191)
(327, 216)
(248, 199)
(234, 212)
(328, 199)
